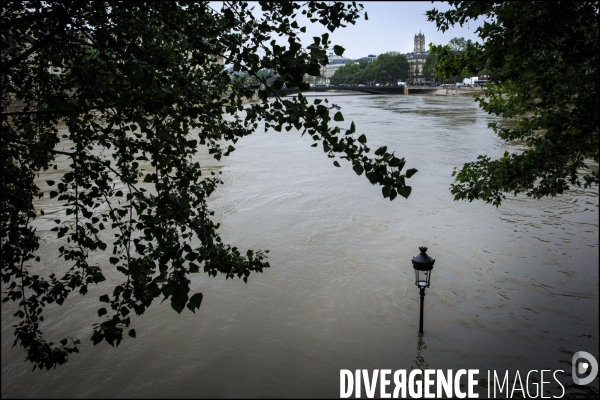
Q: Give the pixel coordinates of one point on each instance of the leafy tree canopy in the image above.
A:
(350, 73)
(458, 44)
(455, 45)
(544, 60)
(430, 67)
(387, 67)
(141, 88)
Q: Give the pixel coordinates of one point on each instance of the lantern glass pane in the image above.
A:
(420, 282)
(422, 278)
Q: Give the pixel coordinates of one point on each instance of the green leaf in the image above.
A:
(132, 333)
(336, 163)
(338, 50)
(352, 128)
(194, 267)
(357, 168)
(362, 139)
(194, 302)
(178, 301)
(411, 172)
(404, 191)
(277, 84)
(386, 191)
(314, 70)
(97, 337)
(381, 151)
(338, 117)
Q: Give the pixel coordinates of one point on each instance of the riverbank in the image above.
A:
(441, 91)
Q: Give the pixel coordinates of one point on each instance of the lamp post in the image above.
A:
(423, 264)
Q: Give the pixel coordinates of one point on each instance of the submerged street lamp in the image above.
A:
(423, 264)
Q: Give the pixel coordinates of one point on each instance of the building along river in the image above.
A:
(513, 288)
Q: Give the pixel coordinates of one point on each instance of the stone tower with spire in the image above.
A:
(419, 43)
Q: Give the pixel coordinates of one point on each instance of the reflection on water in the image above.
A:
(420, 358)
(513, 287)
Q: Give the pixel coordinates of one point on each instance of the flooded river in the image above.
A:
(513, 288)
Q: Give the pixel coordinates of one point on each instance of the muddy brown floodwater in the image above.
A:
(513, 288)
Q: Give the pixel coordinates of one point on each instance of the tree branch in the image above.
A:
(61, 27)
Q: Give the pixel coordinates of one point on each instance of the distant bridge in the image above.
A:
(364, 89)
(372, 89)
(348, 88)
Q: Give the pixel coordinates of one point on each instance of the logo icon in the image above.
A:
(590, 365)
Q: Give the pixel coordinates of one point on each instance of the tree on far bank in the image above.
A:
(141, 86)
(457, 44)
(544, 57)
(387, 67)
(430, 72)
(347, 74)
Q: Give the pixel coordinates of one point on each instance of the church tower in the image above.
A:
(416, 60)
(419, 43)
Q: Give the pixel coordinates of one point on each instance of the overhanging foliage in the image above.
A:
(543, 58)
(140, 84)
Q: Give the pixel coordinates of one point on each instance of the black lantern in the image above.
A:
(423, 265)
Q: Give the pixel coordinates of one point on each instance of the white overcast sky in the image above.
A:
(392, 26)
